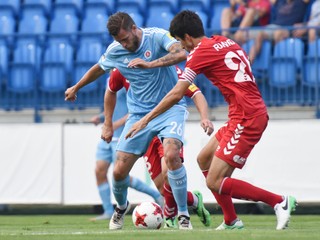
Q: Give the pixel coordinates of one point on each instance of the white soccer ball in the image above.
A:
(147, 215)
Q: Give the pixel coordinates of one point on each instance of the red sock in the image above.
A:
(225, 202)
(170, 206)
(190, 199)
(243, 190)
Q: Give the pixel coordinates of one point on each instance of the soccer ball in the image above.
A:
(147, 215)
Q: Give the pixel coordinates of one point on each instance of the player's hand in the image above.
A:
(95, 120)
(141, 124)
(107, 132)
(207, 126)
(70, 94)
(138, 63)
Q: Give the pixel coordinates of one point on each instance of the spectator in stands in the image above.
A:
(287, 13)
(105, 156)
(243, 14)
(314, 21)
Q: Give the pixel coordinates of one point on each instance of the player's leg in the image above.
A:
(120, 184)
(104, 156)
(225, 201)
(243, 136)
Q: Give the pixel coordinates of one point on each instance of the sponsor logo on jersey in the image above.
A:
(147, 54)
(193, 87)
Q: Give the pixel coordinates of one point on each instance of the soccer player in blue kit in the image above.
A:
(105, 156)
(145, 57)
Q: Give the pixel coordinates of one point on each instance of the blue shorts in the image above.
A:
(106, 151)
(170, 124)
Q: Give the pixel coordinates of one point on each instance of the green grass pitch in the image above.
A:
(78, 227)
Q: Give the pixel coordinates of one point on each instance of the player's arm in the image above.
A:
(176, 54)
(92, 74)
(202, 106)
(167, 102)
(110, 99)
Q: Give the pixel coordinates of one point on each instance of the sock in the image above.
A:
(140, 186)
(120, 191)
(243, 190)
(170, 209)
(192, 200)
(104, 192)
(178, 182)
(226, 204)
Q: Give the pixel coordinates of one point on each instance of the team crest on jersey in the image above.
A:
(147, 54)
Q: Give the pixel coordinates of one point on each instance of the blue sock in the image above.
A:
(104, 192)
(140, 186)
(178, 182)
(120, 190)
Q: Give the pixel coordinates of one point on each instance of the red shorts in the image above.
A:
(238, 137)
(153, 157)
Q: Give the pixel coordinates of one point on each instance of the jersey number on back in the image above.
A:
(241, 75)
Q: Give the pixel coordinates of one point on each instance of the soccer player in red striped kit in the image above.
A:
(226, 65)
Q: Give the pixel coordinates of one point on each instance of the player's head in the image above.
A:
(186, 25)
(124, 30)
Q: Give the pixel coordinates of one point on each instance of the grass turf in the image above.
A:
(78, 227)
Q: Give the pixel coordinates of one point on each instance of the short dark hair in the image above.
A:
(118, 21)
(186, 22)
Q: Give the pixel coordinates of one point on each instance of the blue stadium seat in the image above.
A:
(109, 4)
(65, 23)
(163, 6)
(77, 5)
(139, 6)
(8, 24)
(45, 5)
(4, 59)
(311, 65)
(56, 69)
(204, 18)
(33, 22)
(260, 66)
(13, 5)
(134, 12)
(196, 5)
(284, 68)
(95, 18)
(89, 51)
(161, 20)
(21, 81)
(216, 10)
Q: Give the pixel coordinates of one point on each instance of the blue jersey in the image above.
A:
(120, 111)
(147, 86)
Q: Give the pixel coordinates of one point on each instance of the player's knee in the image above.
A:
(101, 174)
(118, 175)
(212, 184)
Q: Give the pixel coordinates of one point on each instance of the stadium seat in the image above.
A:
(311, 65)
(134, 12)
(196, 5)
(45, 5)
(4, 59)
(77, 5)
(204, 18)
(88, 54)
(109, 4)
(216, 10)
(261, 64)
(132, 6)
(33, 21)
(160, 19)
(13, 5)
(65, 23)
(55, 73)
(8, 24)
(163, 6)
(95, 18)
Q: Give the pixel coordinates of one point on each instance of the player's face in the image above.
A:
(128, 39)
(186, 44)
